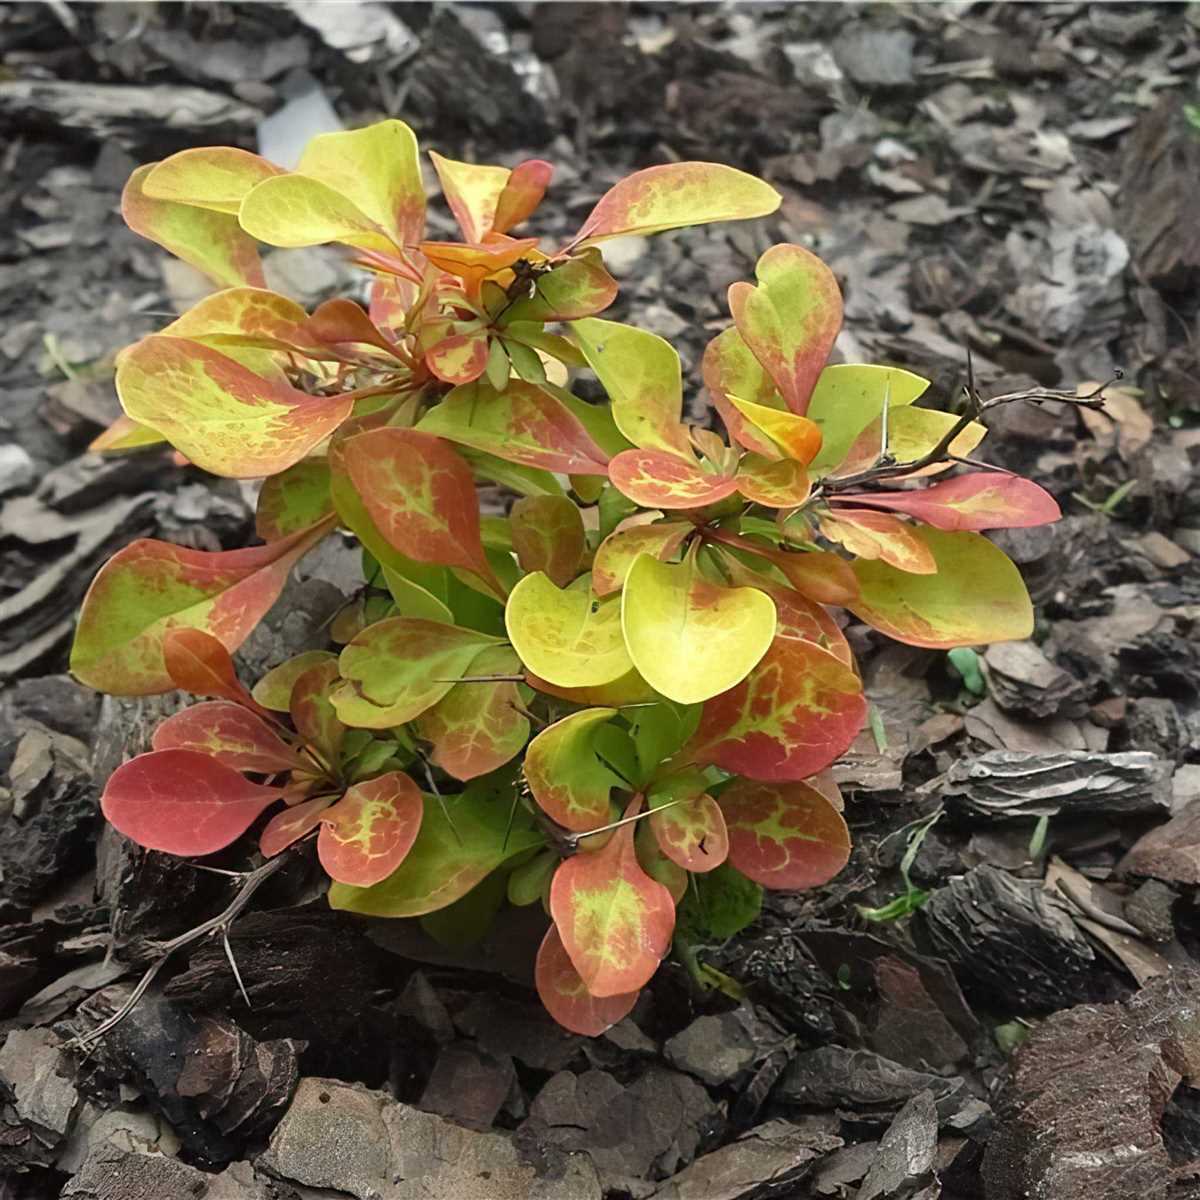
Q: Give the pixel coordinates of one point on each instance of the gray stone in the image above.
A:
(906, 1151)
(114, 1174)
(16, 468)
(29, 1066)
(718, 1048)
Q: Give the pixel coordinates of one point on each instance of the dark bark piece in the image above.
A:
(1160, 207)
(1170, 852)
(909, 1027)
(1010, 943)
(1006, 785)
(717, 1048)
(1151, 908)
(1024, 681)
(904, 1161)
(525, 1032)
(833, 1076)
(114, 1174)
(1080, 1118)
(763, 1164)
(468, 1086)
(55, 701)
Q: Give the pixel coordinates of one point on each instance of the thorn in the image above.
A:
(433, 787)
(233, 965)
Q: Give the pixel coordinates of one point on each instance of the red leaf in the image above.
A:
(312, 711)
(292, 824)
(566, 997)
(367, 833)
(522, 193)
(230, 734)
(657, 479)
(182, 802)
(198, 663)
(785, 836)
(792, 716)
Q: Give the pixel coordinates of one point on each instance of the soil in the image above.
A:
(1014, 181)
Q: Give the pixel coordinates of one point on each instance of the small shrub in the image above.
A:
(631, 688)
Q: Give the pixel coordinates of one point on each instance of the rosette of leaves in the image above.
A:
(632, 685)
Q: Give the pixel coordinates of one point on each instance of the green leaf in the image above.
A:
(567, 779)
(721, 903)
(467, 921)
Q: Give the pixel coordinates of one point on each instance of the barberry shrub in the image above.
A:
(619, 700)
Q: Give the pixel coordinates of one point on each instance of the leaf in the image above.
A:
(722, 904)
(784, 836)
(579, 287)
(182, 802)
(781, 484)
(565, 995)
(657, 865)
(656, 479)
(522, 193)
(674, 196)
(274, 689)
(222, 416)
(421, 497)
(398, 668)
(198, 663)
(797, 437)
(975, 502)
(249, 312)
(447, 860)
(472, 191)
(570, 783)
(797, 712)
(730, 369)
(215, 177)
(790, 320)
(548, 536)
(125, 434)
(460, 358)
(294, 210)
(817, 574)
(629, 689)
(688, 823)
(293, 500)
(312, 711)
(231, 734)
(976, 596)
(469, 919)
(658, 731)
(912, 434)
(569, 638)
(209, 241)
(523, 424)
(641, 374)
(478, 727)
(848, 398)
(875, 535)
(366, 835)
(617, 553)
(289, 826)
(151, 586)
(689, 638)
(614, 920)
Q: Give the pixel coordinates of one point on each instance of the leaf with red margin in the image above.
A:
(475, 262)
(390, 299)
(642, 376)
(421, 496)
(294, 210)
(229, 733)
(291, 825)
(293, 500)
(790, 320)
(312, 711)
(460, 358)
(674, 196)
(366, 835)
(977, 595)
(243, 312)
(151, 586)
(614, 920)
(398, 668)
(472, 190)
(617, 553)
(655, 479)
(210, 241)
(870, 535)
(579, 287)
(522, 193)
(973, 503)
(274, 689)
(548, 536)
(688, 823)
(657, 865)
(215, 177)
(523, 424)
(342, 324)
(566, 997)
(730, 370)
(182, 802)
(125, 434)
(784, 836)
(568, 780)
(455, 849)
(477, 727)
(796, 616)
(221, 415)
(198, 663)
(797, 437)
(817, 574)
(780, 484)
(792, 716)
